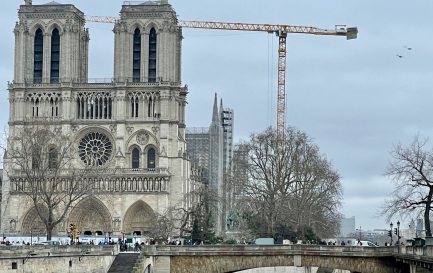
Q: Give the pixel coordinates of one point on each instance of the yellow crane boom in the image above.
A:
(280, 30)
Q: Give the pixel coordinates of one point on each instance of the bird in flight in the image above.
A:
(400, 56)
(408, 48)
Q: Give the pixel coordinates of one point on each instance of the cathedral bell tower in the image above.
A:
(51, 44)
(150, 30)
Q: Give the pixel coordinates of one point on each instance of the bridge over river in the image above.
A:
(213, 258)
(234, 258)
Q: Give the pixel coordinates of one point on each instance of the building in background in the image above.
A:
(211, 149)
(227, 120)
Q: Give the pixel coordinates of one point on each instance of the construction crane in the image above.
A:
(280, 30)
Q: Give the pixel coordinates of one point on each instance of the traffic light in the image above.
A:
(395, 231)
(389, 233)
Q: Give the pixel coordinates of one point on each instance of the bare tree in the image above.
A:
(163, 226)
(411, 170)
(315, 200)
(41, 166)
(178, 219)
(289, 182)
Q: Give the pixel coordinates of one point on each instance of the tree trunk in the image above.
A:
(49, 233)
(50, 225)
(427, 213)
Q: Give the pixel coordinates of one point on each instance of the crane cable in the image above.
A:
(270, 95)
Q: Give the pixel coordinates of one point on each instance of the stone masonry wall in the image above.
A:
(215, 264)
(356, 264)
(52, 259)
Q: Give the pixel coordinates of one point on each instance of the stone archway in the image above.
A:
(90, 214)
(139, 217)
(32, 223)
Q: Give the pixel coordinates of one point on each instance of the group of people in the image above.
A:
(125, 246)
(5, 242)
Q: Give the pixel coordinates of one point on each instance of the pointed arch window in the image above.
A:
(35, 107)
(55, 56)
(134, 106)
(151, 158)
(98, 105)
(135, 160)
(36, 157)
(152, 56)
(54, 104)
(136, 64)
(150, 108)
(52, 158)
(38, 56)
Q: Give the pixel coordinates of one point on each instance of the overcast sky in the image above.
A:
(356, 98)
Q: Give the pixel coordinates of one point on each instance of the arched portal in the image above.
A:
(90, 215)
(32, 223)
(139, 218)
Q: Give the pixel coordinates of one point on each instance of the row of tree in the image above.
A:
(277, 187)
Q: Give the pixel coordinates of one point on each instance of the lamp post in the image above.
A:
(360, 234)
(391, 232)
(398, 232)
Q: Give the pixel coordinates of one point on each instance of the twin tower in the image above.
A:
(52, 44)
(132, 127)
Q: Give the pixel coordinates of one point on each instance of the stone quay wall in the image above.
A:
(55, 259)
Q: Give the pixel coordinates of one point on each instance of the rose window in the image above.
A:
(95, 149)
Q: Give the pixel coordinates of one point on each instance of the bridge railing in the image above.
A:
(426, 251)
(8, 252)
(205, 250)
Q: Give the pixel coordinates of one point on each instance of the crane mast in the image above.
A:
(280, 30)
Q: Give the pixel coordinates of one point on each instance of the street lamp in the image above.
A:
(398, 232)
(391, 232)
(360, 234)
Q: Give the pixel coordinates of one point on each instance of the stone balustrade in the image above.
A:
(54, 259)
(34, 251)
(253, 250)
(104, 180)
(98, 172)
(91, 83)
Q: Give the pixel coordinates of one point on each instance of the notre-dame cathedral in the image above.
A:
(133, 126)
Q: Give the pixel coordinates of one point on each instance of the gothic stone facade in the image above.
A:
(132, 127)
